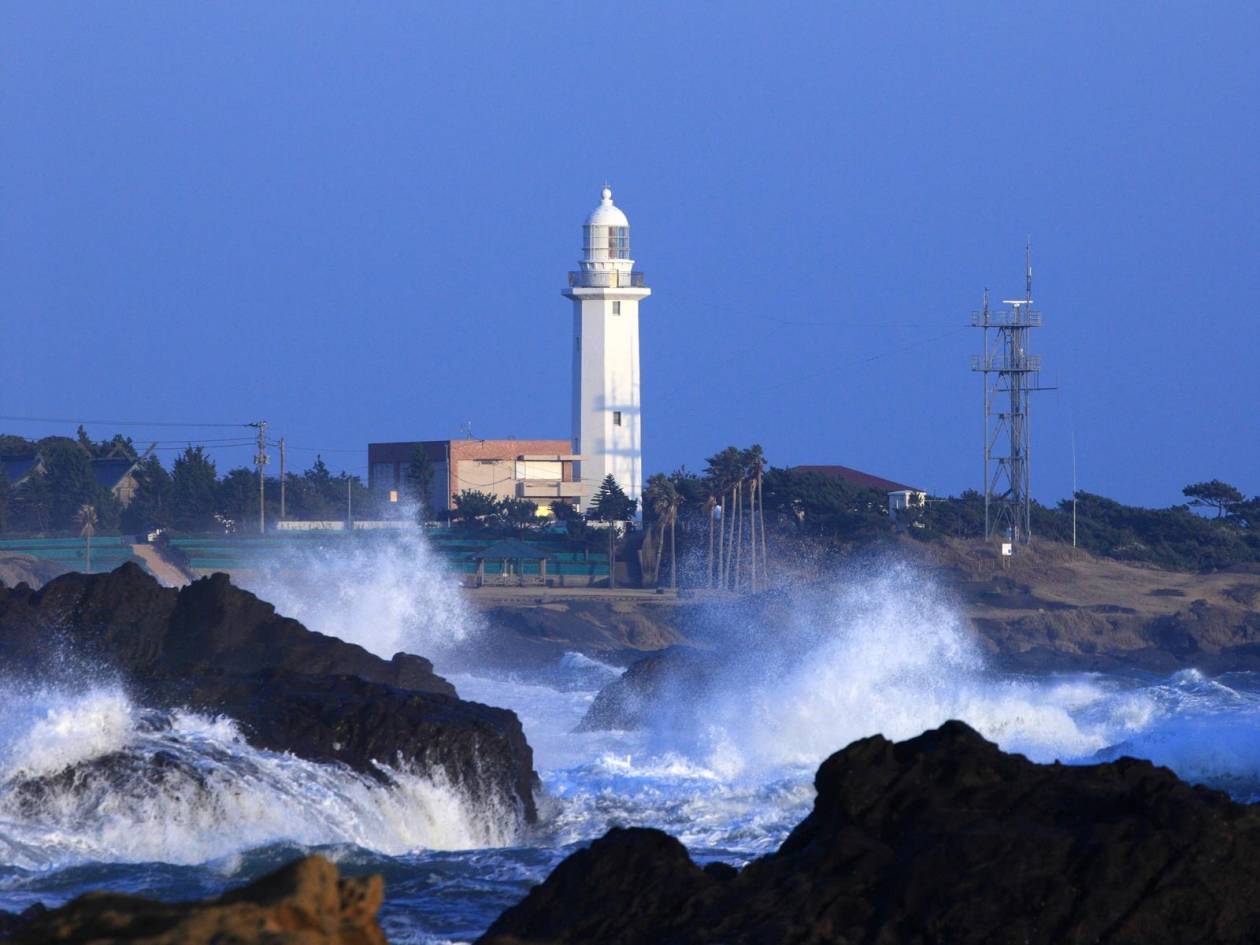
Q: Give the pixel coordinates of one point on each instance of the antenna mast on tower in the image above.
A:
(1011, 374)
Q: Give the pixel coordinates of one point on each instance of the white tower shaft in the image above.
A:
(606, 407)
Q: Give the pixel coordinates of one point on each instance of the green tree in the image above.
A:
(725, 472)
(611, 505)
(1247, 514)
(325, 496)
(11, 445)
(194, 491)
(519, 513)
(71, 485)
(1213, 495)
(567, 514)
(563, 511)
(150, 507)
(475, 507)
(237, 497)
(662, 498)
(30, 506)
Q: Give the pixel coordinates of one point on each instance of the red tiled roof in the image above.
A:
(856, 477)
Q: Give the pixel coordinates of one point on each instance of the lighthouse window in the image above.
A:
(619, 242)
(616, 418)
(616, 308)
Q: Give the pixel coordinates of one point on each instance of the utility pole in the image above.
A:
(1073, 487)
(1010, 375)
(261, 460)
(282, 512)
(349, 505)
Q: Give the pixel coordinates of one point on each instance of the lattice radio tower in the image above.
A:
(1010, 374)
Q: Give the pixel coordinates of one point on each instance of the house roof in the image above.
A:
(109, 472)
(510, 549)
(856, 477)
(17, 468)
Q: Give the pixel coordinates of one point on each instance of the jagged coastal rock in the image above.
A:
(214, 648)
(941, 838)
(304, 903)
(626, 702)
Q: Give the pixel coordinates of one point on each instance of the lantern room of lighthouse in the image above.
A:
(606, 291)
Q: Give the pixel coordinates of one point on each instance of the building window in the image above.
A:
(616, 418)
(384, 477)
(616, 310)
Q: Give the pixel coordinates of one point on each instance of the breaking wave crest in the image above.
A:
(891, 655)
(389, 593)
(89, 776)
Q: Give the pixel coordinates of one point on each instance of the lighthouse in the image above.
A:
(606, 291)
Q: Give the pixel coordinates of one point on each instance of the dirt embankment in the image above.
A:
(1052, 605)
(1047, 607)
(18, 569)
(538, 629)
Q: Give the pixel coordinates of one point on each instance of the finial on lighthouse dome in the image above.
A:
(606, 214)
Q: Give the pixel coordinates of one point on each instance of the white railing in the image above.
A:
(606, 279)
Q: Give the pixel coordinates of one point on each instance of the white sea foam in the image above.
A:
(885, 655)
(184, 788)
(44, 732)
(389, 593)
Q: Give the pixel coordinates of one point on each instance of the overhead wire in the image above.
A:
(119, 423)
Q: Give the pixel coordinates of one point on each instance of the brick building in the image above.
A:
(539, 470)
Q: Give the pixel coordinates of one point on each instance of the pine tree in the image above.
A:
(194, 491)
(611, 504)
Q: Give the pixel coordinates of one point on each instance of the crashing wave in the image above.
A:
(89, 776)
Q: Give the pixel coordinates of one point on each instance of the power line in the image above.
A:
(319, 449)
(118, 423)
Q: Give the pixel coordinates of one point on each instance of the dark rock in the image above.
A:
(305, 902)
(627, 702)
(215, 648)
(127, 620)
(942, 838)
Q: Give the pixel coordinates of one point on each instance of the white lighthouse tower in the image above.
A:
(606, 292)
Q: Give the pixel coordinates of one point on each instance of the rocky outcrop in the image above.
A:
(626, 702)
(215, 648)
(942, 838)
(304, 903)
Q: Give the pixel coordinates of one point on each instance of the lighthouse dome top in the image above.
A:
(606, 214)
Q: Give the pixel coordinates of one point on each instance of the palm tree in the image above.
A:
(86, 517)
(755, 459)
(726, 472)
(611, 505)
(710, 504)
(675, 503)
(663, 497)
(656, 497)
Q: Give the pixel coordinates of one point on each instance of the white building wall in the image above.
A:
(607, 431)
(606, 383)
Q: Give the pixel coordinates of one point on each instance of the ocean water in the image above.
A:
(728, 769)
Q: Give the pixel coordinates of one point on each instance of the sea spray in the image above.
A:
(389, 592)
(87, 776)
(885, 653)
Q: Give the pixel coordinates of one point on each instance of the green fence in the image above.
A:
(227, 553)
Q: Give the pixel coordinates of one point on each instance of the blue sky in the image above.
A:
(354, 220)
